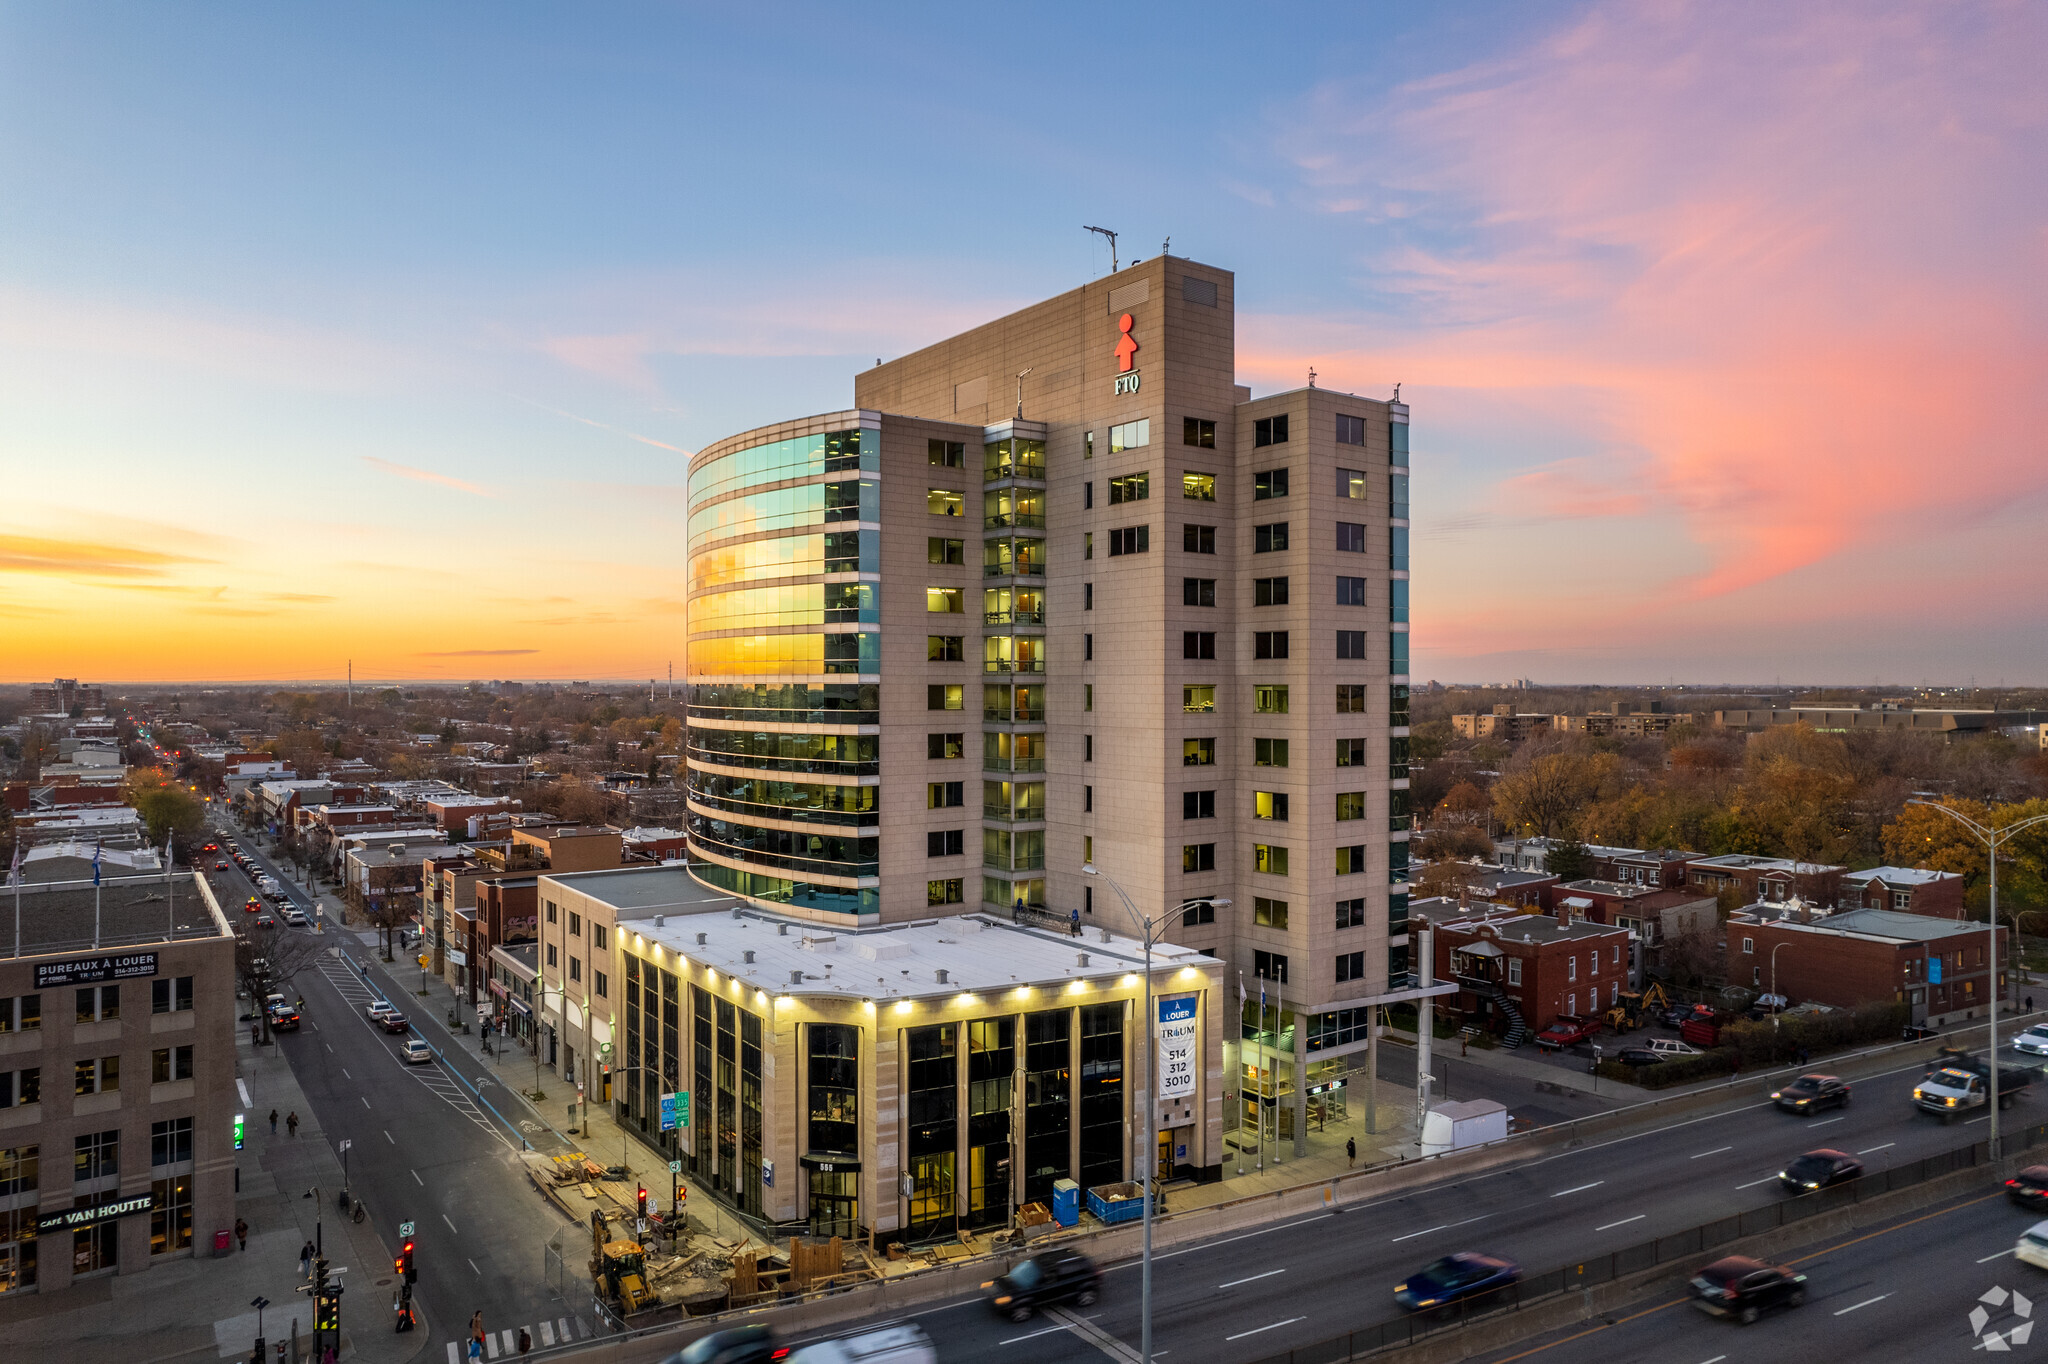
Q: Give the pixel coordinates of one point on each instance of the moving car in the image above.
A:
(2033, 1246)
(1044, 1280)
(737, 1345)
(394, 1022)
(295, 917)
(902, 1343)
(2029, 1188)
(1819, 1169)
(1810, 1093)
(2034, 1039)
(1745, 1289)
(220, 866)
(1456, 1278)
(284, 1020)
(252, 905)
(415, 1052)
(265, 921)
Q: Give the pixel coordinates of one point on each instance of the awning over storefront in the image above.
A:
(1480, 949)
(520, 1006)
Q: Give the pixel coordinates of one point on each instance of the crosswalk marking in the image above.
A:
(350, 985)
(546, 1335)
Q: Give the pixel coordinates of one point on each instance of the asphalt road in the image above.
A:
(431, 1144)
(1903, 1289)
(1269, 1290)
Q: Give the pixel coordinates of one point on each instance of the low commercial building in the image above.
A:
(1863, 956)
(126, 990)
(511, 985)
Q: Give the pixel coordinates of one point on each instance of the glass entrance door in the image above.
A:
(835, 1202)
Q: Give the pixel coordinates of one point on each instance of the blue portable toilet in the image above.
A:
(1066, 1202)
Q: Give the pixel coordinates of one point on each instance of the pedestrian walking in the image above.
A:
(476, 1347)
(2030, 1004)
(306, 1260)
(476, 1333)
(525, 1341)
(273, 1122)
(1350, 1152)
(291, 1122)
(242, 1233)
(255, 1034)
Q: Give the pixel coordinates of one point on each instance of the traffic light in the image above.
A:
(403, 1266)
(643, 1200)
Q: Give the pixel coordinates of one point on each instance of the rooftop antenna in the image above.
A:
(1166, 248)
(1020, 391)
(1311, 376)
(1397, 393)
(1112, 244)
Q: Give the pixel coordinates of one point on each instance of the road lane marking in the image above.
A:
(1868, 1149)
(547, 1335)
(316, 1026)
(416, 1178)
(365, 1099)
(1715, 1152)
(1865, 1303)
(472, 1265)
(1754, 1182)
(1829, 1122)
(1253, 1279)
(388, 1137)
(1033, 1336)
(345, 1075)
(1088, 1331)
(1413, 1234)
(451, 1225)
(1715, 1360)
(1581, 1188)
(329, 1046)
(1257, 1330)
(1989, 1258)
(454, 1356)
(243, 1085)
(1623, 1222)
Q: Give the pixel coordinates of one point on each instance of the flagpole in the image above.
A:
(96, 897)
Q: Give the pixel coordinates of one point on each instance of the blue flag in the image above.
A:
(95, 864)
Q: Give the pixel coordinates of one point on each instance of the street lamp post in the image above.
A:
(1992, 839)
(1149, 932)
(1775, 996)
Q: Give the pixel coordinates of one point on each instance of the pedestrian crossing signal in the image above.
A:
(404, 1263)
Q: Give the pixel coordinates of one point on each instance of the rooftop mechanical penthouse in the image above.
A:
(1060, 590)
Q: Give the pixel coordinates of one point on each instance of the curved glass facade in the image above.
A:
(784, 593)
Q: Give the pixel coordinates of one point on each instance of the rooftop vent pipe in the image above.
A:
(701, 937)
(748, 956)
(942, 975)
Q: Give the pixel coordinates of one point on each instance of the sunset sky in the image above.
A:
(383, 333)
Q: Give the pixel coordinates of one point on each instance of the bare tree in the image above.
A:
(267, 958)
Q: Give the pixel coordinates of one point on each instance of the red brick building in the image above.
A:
(1517, 972)
(1909, 890)
(1863, 956)
(1767, 880)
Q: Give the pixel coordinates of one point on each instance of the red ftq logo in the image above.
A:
(1126, 345)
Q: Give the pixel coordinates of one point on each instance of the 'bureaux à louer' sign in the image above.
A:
(86, 970)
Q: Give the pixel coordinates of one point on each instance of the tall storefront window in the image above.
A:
(834, 1083)
(1102, 1094)
(991, 1068)
(930, 1135)
(18, 1181)
(750, 1113)
(701, 1035)
(1048, 1083)
(170, 1221)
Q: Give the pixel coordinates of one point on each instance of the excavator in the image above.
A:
(1632, 1007)
(618, 1271)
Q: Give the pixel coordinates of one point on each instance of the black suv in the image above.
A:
(1811, 1092)
(1819, 1169)
(1744, 1289)
(1045, 1280)
(2029, 1188)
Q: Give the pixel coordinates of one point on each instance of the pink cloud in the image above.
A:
(1781, 268)
(425, 476)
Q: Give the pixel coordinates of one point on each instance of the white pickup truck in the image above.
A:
(1958, 1082)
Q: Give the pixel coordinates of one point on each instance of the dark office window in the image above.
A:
(1198, 539)
(1195, 431)
(1198, 805)
(1048, 1085)
(1270, 966)
(1198, 591)
(944, 795)
(944, 648)
(1269, 753)
(834, 1089)
(1087, 748)
(1102, 1094)
(1087, 596)
(1351, 805)
(1087, 799)
(944, 843)
(1351, 753)
(1351, 860)
(948, 454)
(167, 994)
(1351, 537)
(1130, 540)
(1270, 430)
(1198, 857)
(1087, 647)
(1269, 592)
(939, 696)
(930, 1130)
(1351, 698)
(1272, 483)
(1269, 539)
(1351, 591)
(1196, 914)
(1350, 966)
(1351, 644)
(1269, 644)
(1087, 495)
(945, 745)
(940, 551)
(1350, 431)
(1351, 913)
(1198, 644)
(991, 1072)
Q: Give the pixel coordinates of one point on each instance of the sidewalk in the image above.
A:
(197, 1309)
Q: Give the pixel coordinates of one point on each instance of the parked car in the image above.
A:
(1819, 1169)
(1569, 1030)
(394, 1022)
(1635, 1056)
(1668, 1048)
(2033, 1246)
(2029, 1188)
(901, 1343)
(1456, 1278)
(378, 1010)
(414, 1052)
(1044, 1280)
(737, 1345)
(1745, 1289)
(295, 916)
(1810, 1093)
(2034, 1039)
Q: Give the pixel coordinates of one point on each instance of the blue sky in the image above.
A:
(381, 334)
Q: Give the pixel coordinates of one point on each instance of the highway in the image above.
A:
(1268, 1290)
(431, 1144)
